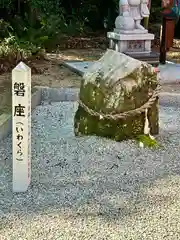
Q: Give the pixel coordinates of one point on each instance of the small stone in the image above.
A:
(141, 145)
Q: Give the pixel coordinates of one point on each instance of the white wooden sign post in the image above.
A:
(21, 127)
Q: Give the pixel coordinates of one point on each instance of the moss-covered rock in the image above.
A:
(116, 84)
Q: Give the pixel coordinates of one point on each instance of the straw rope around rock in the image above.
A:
(126, 114)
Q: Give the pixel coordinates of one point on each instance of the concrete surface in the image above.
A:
(169, 73)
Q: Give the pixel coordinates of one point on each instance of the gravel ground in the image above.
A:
(91, 188)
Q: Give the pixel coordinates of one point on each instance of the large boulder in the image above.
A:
(118, 99)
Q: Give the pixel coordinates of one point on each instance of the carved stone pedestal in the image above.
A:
(136, 44)
(139, 43)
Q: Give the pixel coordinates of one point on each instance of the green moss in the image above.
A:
(147, 141)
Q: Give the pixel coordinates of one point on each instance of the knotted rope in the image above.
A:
(123, 115)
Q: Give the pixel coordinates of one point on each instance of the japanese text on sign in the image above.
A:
(21, 116)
